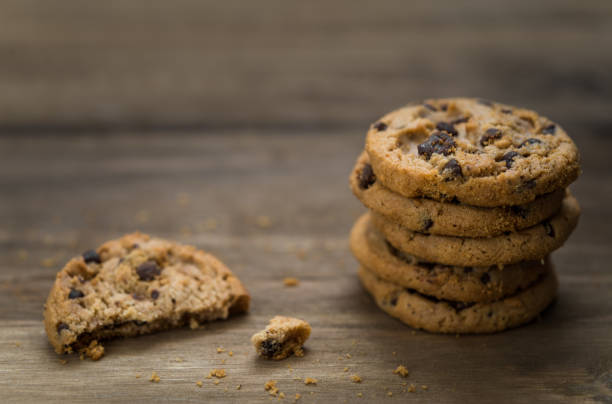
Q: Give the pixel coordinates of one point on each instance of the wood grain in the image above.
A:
(64, 194)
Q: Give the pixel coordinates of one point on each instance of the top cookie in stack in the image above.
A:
(457, 185)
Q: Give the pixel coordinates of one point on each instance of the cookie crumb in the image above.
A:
(297, 396)
(138, 375)
(356, 379)
(346, 369)
(94, 350)
(17, 344)
(220, 349)
(199, 383)
(425, 387)
(263, 221)
(218, 373)
(216, 382)
(402, 371)
(239, 387)
(154, 378)
(281, 395)
(390, 394)
(230, 353)
(348, 356)
(193, 324)
(310, 380)
(291, 281)
(359, 394)
(178, 360)
(411, 388)
(48, 262)
(282, 337)
(63, 361)
(394, 353)
(270, 387)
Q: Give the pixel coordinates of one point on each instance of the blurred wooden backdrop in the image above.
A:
(70, 65)
(192, 119)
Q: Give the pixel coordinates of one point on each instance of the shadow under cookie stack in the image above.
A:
(467, 200)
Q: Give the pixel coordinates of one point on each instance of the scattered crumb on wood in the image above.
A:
(394, 353)
(281, 395)
(424, 387)
(402, 371)
(48, 262)
(230, 353)
(346, 369)
(411, 388)
(18, 344)
(154, 377)
(356, 379)
(216, 381)
(297, 396)
(218, 373)
(271, 388)
(290, 282)
(263, 221)
(199, 383)
(359, 394)
(193, 324)
(63, 361)
(138, 375)
(220, 349)
(239, 387)
(310, 380)
(178, 360)
(348, 356)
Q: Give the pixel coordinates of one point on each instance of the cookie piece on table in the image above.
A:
(282, 337)
(532, 243)
(480, 153)
(137, 285)
(468, 284)
(445, 316)
(448, 219)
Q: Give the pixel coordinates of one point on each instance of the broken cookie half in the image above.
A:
(282, 337)
(137, 285)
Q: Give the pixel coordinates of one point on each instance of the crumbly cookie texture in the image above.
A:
(282, 337)
(529, 244)
(477, 152)
(442, 316)
(137, 285)
(467, 284)
(448, 219)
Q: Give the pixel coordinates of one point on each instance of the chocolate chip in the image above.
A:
(550, 230)
(438, 142)
(452, 169)
(490, 135)
(506, 111)
(429, 106)
(135, 246)
(549, 129)
(458, 306)
(427, 223)
(485, 278)
(154, 294)
(148, 271)
(482, 101)
(393, 301)
(519, 210)
(270, 347)
(489, 314)
(75, 294)
(447, 127)
(529, 141)
(509, 158)
(366, 177)
(91, 256)
(463, 119)
(444, 107)
(455, 201)
(380, 126)
(529, 184)
(62, 326)
(507, 233)
(139, 323)
(467, 270)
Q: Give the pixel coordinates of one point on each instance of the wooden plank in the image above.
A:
(143, 64)
(62, 194)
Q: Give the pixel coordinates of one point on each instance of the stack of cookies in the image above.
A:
(467, 200)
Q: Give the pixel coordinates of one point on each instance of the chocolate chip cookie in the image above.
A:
(137, 285)
(450, 219)
(466, 284)
(529, 244)
(444, 316)
(471, 151)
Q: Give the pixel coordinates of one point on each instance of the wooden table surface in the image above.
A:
(190, 120)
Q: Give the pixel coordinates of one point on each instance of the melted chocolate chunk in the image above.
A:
(62, 326)
(429, 107)
(444, 107)
(506, 111)
(75, 294)
(485, 278)
(91, 256)
(380, 126)
(458, 306)
(148, 271)
(366, 177)
(154, 294)
(463, 119)
(467, 270)
(549, 129)
(270, 347)
(438, 142)
(393, 301)
(529, 141)
(509, 158)
(455, 201)
(490, 135)
(427, 223)
(447, 127)
(519, 210)
(550, 230)
(452, 169)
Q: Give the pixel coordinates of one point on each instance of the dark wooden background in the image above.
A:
(190, 119)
